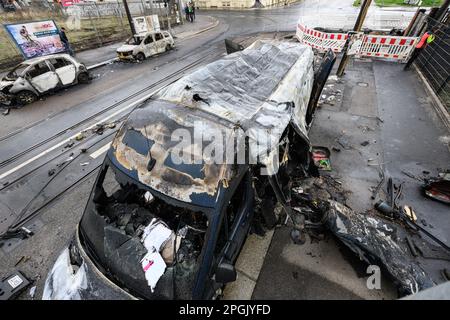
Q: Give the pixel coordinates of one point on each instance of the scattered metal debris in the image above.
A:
(365, 143)
(22, 259)
(32, 292)
(321, 158)
(438, 188)
(376, 242)
(11, 286)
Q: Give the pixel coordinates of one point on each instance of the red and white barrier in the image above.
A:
(386, 47)
(398, 48)
(321, 40)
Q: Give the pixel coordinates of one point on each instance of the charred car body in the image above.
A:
(35, 77)
(204, 209)
(145, 45)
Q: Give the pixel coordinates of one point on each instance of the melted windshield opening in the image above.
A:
(136, 40)
(129, 210)
(16, 72)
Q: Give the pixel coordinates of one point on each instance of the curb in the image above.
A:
(101, 64)
(215, 24)
(437, 104)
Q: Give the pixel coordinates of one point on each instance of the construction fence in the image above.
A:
(396, 48)
(88, 25)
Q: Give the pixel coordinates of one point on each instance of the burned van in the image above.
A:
(190, 173)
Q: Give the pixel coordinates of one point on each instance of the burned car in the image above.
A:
(38, 76)
(190, 173)
(145, 45)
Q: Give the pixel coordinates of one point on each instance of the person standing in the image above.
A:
(65, 41)
(191, 12)
(186, 11)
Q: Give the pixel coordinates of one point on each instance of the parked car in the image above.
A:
(142, 46)
(35, 77)
(204, 207)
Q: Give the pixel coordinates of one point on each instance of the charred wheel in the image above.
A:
(140, 56)
(83, 77)
(26, 97)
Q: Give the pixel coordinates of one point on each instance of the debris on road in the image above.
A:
(22, 259)
(412, 176)
(11, 286)
(6, 112)
(69, 145)
(83, 164)
(376, 241)
(438, 188)
(32, 292)
(321, 158)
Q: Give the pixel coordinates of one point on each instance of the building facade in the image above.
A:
(236, 4)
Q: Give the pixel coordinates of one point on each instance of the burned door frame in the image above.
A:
(161, 43)
(205, 285)
(30, 78)
(67, 63)
(149, 49)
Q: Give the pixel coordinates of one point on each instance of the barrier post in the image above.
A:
(359, 22)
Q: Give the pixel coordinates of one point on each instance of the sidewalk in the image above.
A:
(380, 115)
(106, 54)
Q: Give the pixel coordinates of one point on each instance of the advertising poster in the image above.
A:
(35, 39)
(153, 23)
(140, 25)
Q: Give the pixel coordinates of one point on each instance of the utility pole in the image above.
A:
(358, 25)
(130, 20)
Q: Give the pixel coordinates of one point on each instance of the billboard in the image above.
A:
(146, 24)
(35, 39)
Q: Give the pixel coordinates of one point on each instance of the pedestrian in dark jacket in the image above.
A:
(186, 11)
(65, 40)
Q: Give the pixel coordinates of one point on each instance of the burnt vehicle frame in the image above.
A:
(257, 198)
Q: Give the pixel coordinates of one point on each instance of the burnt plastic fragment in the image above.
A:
(376, 242)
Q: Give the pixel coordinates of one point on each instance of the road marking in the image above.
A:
(99, 152)
(23, 164)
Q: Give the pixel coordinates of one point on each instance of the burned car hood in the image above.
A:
(126, 48)
(159, 146)
(4, 83)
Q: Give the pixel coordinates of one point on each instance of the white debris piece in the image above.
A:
(154, 267)
(148, 197)
(155, 236)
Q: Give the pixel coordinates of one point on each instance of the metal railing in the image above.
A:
(434, 60)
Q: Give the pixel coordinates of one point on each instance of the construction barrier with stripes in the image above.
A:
(362, 45)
